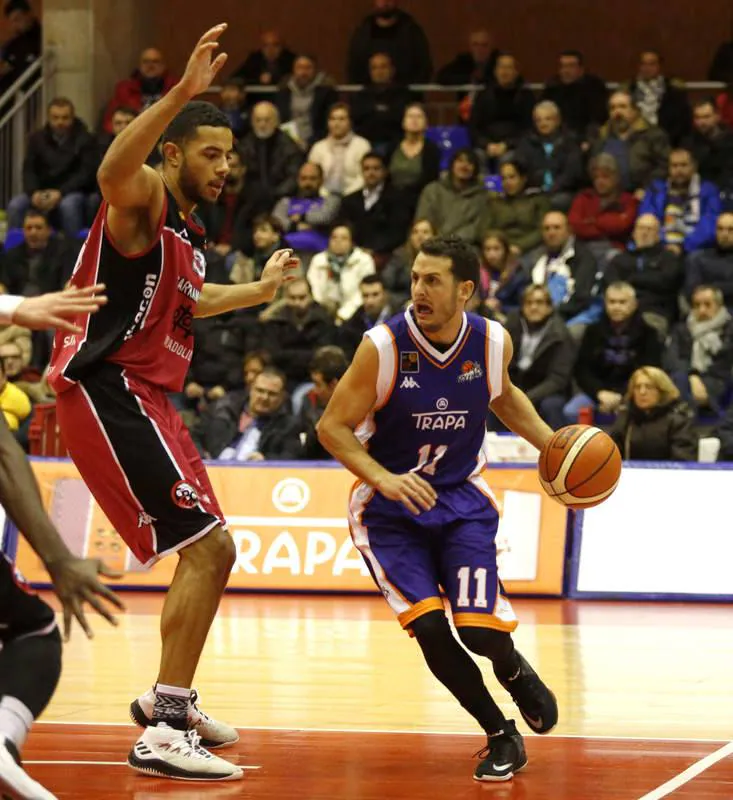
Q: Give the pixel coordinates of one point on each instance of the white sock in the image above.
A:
(15, 721)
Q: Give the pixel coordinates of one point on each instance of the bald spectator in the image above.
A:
(475, 66)
(454, 204)
(339, 155)
(268, 65)
(686, 206)
(24, 45)
(603, 216)
(147, 84)
(306, 217)
(714, 266)
(377, 111)
(389, 29)
(655, 273)
(711, 143)
(502, 111)
(661, 100)
(305, 99)
(567, 268)
(641, 150)
(580, 96)
(552, 155)
(270, 156)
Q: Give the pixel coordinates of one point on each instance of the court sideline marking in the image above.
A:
(691, 772)
(100, 764)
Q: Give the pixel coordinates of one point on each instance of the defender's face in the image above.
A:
(436, 296)
(205, 164)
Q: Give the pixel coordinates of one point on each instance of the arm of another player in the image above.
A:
(351, 403)
(124, 180)
(219, 298)
(75, 579)
(514, 408)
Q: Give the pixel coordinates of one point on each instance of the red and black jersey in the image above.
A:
(147, 325)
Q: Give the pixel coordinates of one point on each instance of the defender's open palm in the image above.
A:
(202, 67)
(281, 267)
(54, 310)
(409, 489)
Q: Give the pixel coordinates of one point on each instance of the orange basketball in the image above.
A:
(580, 466)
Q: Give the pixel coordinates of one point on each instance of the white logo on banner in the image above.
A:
(291, 495)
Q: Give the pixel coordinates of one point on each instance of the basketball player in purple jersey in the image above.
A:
(422, 516)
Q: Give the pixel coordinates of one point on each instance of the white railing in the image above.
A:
(22, 111)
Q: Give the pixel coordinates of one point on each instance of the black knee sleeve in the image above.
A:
(494, 645)
(30, 667)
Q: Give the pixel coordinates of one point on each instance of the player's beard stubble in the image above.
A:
(188, 184)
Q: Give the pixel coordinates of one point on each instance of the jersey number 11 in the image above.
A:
(425, 463)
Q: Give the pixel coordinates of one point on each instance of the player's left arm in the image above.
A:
(216, 298)
(514, 408)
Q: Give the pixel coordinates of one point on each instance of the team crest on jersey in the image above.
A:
(144, 519)
(470, 370)
(184, 495)
(409, 361)
(199, 262)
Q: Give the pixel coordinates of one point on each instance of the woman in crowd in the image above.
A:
(335, 274)
(396, 274)
(654, 424)
(518, 212)
(502, 278)
(415, 162)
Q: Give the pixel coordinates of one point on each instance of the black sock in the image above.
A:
(456, 670)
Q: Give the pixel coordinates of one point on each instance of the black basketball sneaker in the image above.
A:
(536, 703)
(503, 756)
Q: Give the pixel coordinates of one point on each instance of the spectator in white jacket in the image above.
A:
(339, 155)
(336, 274)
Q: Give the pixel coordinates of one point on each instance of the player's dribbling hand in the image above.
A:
(53, 310)
(414, 492)
(75, 582)
(281, 267)
(201, 69)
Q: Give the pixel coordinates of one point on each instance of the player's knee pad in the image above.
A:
(432, 629)
(492, 644)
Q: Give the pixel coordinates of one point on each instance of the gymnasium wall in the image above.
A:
(610, 33)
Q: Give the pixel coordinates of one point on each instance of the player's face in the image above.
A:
(437, 297)
(645, 394)
(205, 165)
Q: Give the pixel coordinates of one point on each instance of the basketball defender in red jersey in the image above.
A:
(112, 382)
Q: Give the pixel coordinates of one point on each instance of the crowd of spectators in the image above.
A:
(603, 221)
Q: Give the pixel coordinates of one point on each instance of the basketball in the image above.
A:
(580, 466)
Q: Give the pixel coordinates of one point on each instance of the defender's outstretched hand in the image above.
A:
(54, 310)
(201, 69)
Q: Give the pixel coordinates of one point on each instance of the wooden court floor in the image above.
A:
(333, 702)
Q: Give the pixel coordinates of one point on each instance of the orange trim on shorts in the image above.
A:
(406, 618)
(472, 620)
(394, 374)
(441, 365)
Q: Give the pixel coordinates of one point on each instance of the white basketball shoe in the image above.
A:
(15, 782)
(165, 752)
(212, 732)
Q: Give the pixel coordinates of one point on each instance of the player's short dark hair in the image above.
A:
(372, 280)
(17, 5)
(573, 54)
(462, 255)
(192, 116)
(330, 361)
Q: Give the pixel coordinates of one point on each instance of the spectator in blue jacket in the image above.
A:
(686, 206)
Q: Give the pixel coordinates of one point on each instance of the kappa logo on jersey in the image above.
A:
(199, 262)
(470, 370)
(144, 519)
(184, 495)
(409, 383)
(409, 361)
